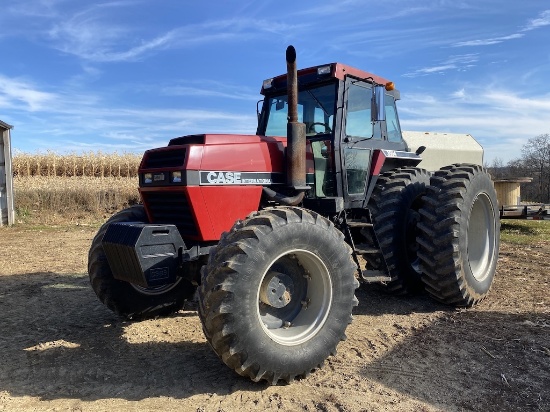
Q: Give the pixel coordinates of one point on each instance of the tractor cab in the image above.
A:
(352, 131)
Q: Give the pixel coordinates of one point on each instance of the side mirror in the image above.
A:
(420, 150)
(378, 108)
(258, 113)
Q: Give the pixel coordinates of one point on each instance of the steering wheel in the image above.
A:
(311, 128)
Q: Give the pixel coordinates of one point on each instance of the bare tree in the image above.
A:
(496, 169)
(535, 161)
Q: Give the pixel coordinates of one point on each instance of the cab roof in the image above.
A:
(320, 73)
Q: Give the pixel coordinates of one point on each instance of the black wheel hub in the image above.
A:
(282, 292)
(277, 290)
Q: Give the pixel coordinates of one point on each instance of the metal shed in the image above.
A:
(7, 213)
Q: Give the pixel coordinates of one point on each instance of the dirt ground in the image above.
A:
(62, 350)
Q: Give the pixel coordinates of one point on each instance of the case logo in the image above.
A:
(224, 178)
(239, 178)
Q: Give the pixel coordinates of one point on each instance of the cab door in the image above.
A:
(361, 136)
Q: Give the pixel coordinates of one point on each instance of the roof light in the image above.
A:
(390, 86)
(268, 84)
(323, 70)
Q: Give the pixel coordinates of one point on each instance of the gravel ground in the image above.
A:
(61, 349)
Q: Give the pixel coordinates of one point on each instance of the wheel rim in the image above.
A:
(156, 290)
(294, 297)
(481, 237)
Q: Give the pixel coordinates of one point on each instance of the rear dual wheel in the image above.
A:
(277, 294)
(395, 205)
(459, 235)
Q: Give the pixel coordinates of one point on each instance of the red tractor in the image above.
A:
(277, 230)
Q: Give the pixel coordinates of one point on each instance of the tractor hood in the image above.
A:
(218, 152)
(204, 183)
(215, 139)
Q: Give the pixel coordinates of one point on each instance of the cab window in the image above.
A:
(392, 122)
(316, 107)
(358, 119)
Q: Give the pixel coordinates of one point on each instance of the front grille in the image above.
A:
(171, 208)
(164, 158)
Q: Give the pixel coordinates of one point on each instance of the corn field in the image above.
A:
(60, 200)
(58, 189)
(91, 164)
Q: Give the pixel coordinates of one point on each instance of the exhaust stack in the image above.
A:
(295, 131)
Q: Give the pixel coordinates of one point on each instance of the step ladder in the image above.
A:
(371, 250)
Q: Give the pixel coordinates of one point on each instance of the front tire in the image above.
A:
(277, 294)
(459, 235)
(123, 298)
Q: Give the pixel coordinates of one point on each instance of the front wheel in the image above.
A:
(459, 235)
(126, 299)
(277, 294)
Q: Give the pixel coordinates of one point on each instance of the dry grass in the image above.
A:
(92, 164)
(78, 200)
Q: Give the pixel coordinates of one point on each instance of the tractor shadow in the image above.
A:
(374, 301)
(516, 228)
(475, 359)
(58, 341)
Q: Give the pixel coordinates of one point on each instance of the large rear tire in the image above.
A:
(394, 205)
(126, 299)
(459, 235)
(277, 294)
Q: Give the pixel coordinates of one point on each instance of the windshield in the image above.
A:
(315, 109)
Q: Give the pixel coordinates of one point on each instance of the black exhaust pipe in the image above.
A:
(296, 141)
(295, 131)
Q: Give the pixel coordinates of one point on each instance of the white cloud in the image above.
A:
(388, 9)
(541, 21)
(331, 8)
(459, 94)
(69, 126)
(435, 69)
(488, 42)
(72, 120)
(122, 129)
(33, 8)
(514, 103)
(455, 62)
(90, 35)
(501, 120)
(17, 92)
(209, 88)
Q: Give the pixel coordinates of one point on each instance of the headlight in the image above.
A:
(176, 177)
(148, 178)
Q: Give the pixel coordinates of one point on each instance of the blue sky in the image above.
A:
(129, 75)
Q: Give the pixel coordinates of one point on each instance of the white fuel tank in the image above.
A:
(443, 149)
